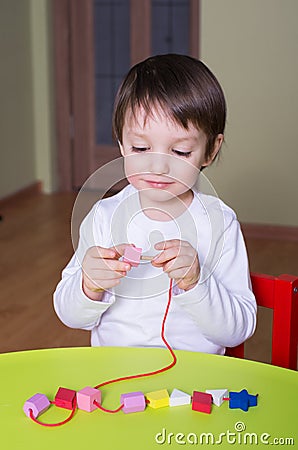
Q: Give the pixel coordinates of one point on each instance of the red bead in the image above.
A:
(65, 398)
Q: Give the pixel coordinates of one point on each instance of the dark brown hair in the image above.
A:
(182, 86)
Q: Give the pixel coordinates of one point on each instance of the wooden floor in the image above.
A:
(35, 245)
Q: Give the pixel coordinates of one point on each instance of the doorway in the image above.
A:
(95, 43)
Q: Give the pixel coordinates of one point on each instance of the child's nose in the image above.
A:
(159, 163)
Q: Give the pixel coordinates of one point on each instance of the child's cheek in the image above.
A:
(133, 180)
(133, 170)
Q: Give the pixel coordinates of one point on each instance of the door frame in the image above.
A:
(75, 90)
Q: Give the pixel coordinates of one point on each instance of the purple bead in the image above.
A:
(133, 402)
(39, 403)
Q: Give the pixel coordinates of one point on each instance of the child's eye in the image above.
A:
(181, 153)
(139, 149)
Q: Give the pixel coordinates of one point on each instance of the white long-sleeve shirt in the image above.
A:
(219, 312)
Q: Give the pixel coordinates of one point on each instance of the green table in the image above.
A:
(23, 374)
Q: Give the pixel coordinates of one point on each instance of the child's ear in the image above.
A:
(217, 145)
(121, 147)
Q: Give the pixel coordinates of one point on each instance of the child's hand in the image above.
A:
(102, 270)
(180, 261)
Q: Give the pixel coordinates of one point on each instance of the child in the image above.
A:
(169, 120)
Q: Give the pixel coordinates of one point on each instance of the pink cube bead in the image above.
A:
(86, 398)
(132, 255)
(133, 402)
(39, 403)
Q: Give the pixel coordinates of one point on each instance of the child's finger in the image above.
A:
(163, 245)
(100, 274)
(173, 249)
(112, 265)
(165, 256)
(175, 271)
(120, 249)
(102, 252)
(101, 285)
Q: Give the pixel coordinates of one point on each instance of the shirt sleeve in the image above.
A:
(71, 304)
(222, 303)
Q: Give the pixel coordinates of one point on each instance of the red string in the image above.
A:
(116, 380)
(155, 372)
(112, 411)
(58, 423)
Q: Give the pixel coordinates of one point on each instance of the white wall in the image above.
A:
(17, 157)
(252, 47)
(27, 144)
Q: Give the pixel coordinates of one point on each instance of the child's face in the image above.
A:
(162, 159)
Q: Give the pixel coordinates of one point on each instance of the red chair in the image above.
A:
(281, 295)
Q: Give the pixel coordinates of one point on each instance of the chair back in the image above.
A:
(281, 295)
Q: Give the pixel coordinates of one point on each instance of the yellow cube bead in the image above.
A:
(158, 399)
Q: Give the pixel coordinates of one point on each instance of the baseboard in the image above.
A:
(266, 231)
(32, 189)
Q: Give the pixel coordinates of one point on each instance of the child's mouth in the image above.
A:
(158, 184)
